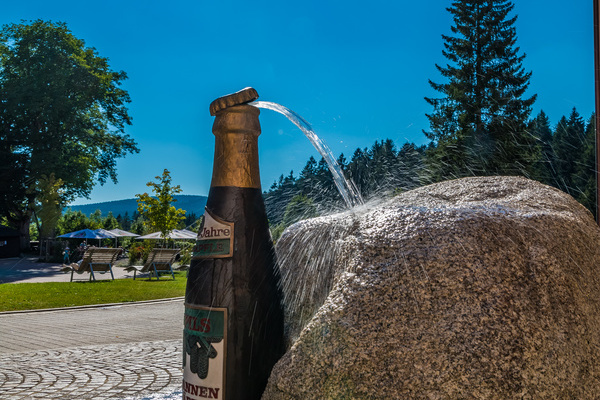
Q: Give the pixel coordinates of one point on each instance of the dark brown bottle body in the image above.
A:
(233, 282)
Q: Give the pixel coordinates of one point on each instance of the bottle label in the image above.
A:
(204, 351)
(215, 238)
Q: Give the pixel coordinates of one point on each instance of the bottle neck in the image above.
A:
(236, 131)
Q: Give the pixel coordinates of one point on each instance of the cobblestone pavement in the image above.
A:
(115, 371)
(113, 352)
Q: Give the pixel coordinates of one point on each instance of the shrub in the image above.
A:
(138, 252)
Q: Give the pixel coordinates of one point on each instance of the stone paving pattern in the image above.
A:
(112, 352)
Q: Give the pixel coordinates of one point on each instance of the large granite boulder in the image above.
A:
(478, 288)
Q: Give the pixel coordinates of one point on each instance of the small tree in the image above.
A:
(160, 215)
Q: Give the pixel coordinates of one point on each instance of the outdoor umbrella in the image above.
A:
(191, 234)
(121, 233)
(88, 234)
(154, 235)
(183, 234)
(108, 234)
(175, 234)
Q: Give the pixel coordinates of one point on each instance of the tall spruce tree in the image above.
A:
(480, 125)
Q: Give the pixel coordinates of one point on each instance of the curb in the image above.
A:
(106, 305)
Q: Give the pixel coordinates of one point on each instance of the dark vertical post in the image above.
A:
(597, 88)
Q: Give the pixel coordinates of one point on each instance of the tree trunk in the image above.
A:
(23, 228)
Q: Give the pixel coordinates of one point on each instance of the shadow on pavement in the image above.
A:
(30, 270)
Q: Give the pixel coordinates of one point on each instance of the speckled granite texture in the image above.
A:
(478, 288)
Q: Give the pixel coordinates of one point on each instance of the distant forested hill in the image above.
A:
(189, 203)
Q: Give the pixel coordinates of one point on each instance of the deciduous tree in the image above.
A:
(159, 213)
(62, 111)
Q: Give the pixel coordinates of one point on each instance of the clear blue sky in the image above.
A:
(357, 71)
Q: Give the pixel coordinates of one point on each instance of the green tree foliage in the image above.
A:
(138, 225)
(568, 156)
(125, 221)
(95, 220)
(568, 141)
(383, 169)
(110, 222)
(566, 161)
(545, 167)
(315, 182)
(191, 219)
(62, 111)
(585, 170)
(159, 213)
(279, 195)
(299, 208)
(376, 171)
(72, 221)
(480, 124)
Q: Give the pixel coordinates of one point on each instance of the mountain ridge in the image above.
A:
(188, 202)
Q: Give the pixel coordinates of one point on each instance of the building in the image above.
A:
(9, 242)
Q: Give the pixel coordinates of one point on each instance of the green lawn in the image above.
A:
(33, 296)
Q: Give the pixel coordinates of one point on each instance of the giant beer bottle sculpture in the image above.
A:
(233, 332)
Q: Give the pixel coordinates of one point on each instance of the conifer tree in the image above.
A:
(480, 124)
(307, 181)
(567, 143)
(383, 165)
(545, 168)
(409, 167)
(325, 190)
(278, 197)
(584, 177)
(358, 170)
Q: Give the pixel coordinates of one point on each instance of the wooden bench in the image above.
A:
(159, 261)
(95, 260)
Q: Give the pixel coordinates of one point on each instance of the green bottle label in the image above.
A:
(215, 238)
(204, 351)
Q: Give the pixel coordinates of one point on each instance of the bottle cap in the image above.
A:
(244, 96)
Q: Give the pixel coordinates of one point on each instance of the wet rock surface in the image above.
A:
(478, 288)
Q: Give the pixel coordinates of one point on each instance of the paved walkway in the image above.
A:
(28, 270)
(126, 351)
